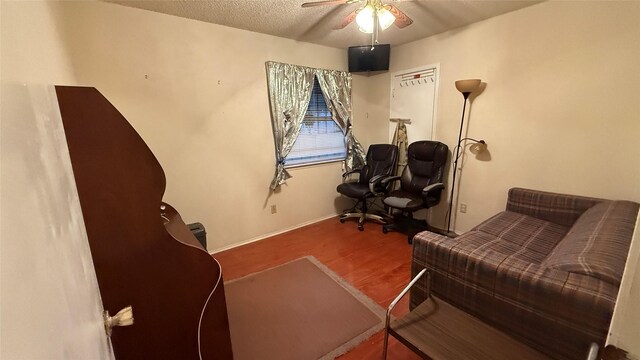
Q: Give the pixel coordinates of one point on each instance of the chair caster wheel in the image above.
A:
(342, 221)
(360, 227)
(384, 230)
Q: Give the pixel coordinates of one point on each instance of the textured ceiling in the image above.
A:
(286, 18)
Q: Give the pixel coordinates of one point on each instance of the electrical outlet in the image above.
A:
(274, 209)
(463, 208)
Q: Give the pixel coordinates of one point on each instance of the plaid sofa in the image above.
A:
(546, 270)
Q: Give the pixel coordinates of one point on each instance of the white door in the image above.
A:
(51, 306)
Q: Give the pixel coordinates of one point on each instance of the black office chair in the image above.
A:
(380, 164)
(420, 185)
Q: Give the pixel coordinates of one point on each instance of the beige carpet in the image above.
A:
(300, 310)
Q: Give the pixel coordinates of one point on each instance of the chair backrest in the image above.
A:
(381, 160)
(425, 165)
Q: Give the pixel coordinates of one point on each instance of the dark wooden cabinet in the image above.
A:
(143, 253)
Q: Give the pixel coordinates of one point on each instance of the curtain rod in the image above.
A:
(306, 67)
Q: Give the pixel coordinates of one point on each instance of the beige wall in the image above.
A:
(197, 94)
(559, 111)
(371, 108)
(51, 306)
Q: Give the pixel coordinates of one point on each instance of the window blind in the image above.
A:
(320, 138)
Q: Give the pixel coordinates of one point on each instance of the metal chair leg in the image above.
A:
(386, 342)
(393, 304)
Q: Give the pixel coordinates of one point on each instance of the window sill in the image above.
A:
(313, 163)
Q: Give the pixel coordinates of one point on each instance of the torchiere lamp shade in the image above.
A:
(467, 86)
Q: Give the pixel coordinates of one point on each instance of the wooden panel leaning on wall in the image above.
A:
(142, 258)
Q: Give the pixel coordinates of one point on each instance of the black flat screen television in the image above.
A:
(363, 58)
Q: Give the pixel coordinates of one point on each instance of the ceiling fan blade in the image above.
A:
(325, 2)
(347, 20)
(402, 20)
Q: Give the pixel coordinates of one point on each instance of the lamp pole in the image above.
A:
(466, 87)
(455, 162)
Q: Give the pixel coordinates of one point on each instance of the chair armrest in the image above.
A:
(432, 188)
(561, 209)
(352, 171)
(377, 183)
(346, 174)
(387, 321)
(386, 181)
(403, 292)
(377, 178)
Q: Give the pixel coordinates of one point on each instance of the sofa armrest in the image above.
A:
(421, 241)
(561, 209)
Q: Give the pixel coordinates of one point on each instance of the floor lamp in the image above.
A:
(466, 87)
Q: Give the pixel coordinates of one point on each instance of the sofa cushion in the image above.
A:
(562, 209)
(520, 236)
(598, 243)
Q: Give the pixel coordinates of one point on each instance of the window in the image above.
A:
(320, 138)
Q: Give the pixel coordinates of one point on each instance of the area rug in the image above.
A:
(300, 310)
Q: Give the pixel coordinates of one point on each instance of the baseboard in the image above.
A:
(262, 237)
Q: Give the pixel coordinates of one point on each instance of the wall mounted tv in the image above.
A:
(363, 58)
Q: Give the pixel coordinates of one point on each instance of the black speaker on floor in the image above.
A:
(199, 232)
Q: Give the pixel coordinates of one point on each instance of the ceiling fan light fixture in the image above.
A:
(364, 19)
(385, 18)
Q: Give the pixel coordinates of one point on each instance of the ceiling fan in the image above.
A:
(372, 16)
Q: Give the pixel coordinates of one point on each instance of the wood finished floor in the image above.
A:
(377, 264)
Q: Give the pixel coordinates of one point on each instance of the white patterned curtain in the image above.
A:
(336, 88)
(290, 89)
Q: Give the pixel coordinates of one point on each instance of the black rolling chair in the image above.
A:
(420, 185)
(380, 164)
